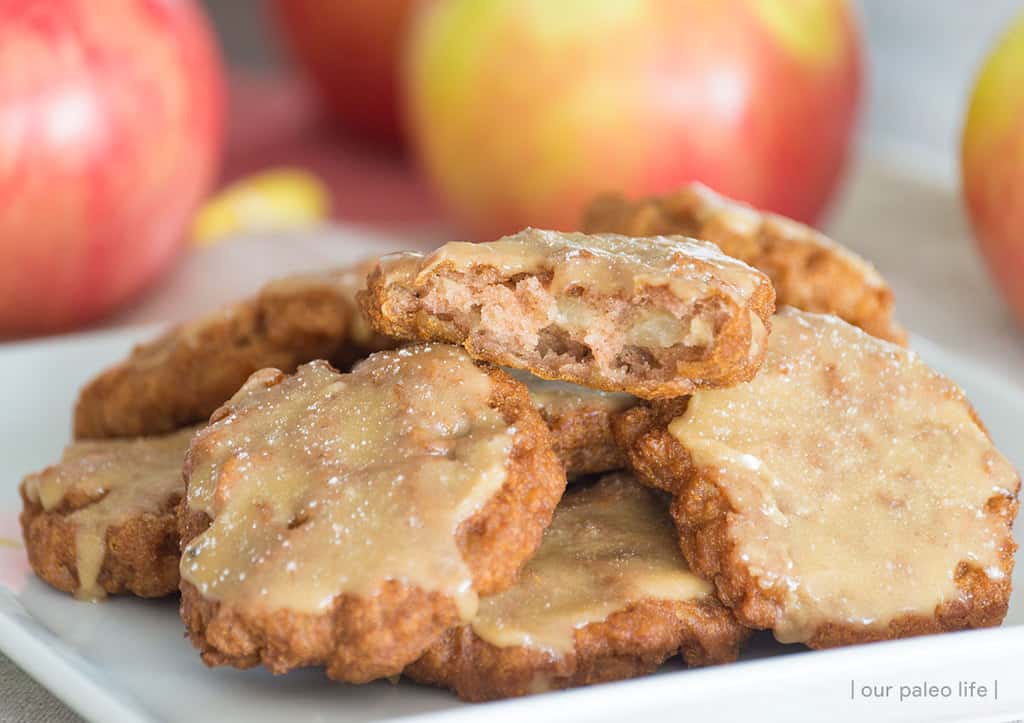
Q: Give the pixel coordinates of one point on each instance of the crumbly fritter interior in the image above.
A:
(652, 345)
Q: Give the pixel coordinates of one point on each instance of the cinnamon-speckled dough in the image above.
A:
(809, 271)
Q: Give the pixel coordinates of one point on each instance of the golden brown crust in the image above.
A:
(654, 455)
(583, 440)
(181, 377)
(140, 556)
(394, 308)
(703, 517)
(629, 643)
(361, 639)
(504, 534)
(809, 271)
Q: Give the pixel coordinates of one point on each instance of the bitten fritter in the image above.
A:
(654, 317)
(809, 270)
(608, 596)
(847, 494)
(102, 520)
(348, 520)
(181, 377)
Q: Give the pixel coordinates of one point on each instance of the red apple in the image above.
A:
(522, 110)
(350, 49)
(993, 165)
(110, 116)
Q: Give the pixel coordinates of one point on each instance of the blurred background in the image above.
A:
(164, 156)
(922, 59)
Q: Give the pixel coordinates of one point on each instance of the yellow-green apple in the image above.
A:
(993, 165)
(110, 116)
(521, 110)
(350, 50)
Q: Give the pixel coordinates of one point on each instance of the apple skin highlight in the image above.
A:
(110, 135)
(992, 165)
(520, 111)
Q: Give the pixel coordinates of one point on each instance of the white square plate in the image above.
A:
(126, 659)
